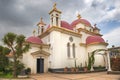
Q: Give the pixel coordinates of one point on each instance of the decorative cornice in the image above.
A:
(83, 44)
(38, 45)
(86, 31)
(103, 43)
(55, 10)
(60, 29)
(95, 43)
(40, 52)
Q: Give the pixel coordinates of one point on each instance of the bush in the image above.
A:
(28, 71)
(8, 70)
(20, 67)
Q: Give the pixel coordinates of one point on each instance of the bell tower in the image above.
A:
(55, 16)
(41, 26)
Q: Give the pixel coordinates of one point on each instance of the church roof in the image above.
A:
(34, 39)
(79, 20)
(65, 25)
(94, 39)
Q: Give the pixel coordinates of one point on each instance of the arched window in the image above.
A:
(42, 29)
(68, 50)
(90, 30)
(52, 19)
(73, 49)
(56, 19)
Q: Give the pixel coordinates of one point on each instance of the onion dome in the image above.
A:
(83, 21)
(94, 39)
(79, 20)
(64, 24)
(34, 39)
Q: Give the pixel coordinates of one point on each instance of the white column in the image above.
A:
(108, 58)
(92, 68)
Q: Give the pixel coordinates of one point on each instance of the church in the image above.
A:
(62, 44)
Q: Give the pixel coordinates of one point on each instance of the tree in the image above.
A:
(16, 44)
(3, 59)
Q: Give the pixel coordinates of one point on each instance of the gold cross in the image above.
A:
(79, 16)
(34, 31)
(41, 19)
(54, 6)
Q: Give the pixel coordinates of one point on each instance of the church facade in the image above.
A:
(63, 45)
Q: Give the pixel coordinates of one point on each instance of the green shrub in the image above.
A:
(28, 71)
(20, 67)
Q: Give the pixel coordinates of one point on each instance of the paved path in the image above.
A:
(86, 76)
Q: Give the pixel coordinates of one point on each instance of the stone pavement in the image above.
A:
(85, 76)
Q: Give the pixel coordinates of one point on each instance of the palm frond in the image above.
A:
(9, 38)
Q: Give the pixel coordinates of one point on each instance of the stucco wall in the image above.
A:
(58, 57)
(31, 61)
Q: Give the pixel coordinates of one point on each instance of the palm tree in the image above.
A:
(16, 44)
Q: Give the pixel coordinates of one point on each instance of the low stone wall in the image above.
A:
(69, 71)
(115, 64)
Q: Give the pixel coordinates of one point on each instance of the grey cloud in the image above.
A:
(10, 13)
(21, 16)
(21, 21)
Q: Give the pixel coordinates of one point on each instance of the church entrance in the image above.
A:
(40, 65)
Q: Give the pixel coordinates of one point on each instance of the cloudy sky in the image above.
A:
(21, 16)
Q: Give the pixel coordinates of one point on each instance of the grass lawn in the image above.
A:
(8, 75)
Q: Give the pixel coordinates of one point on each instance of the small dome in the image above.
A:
(94, 39)
(83, 21)
(34, 39)
(64, 24)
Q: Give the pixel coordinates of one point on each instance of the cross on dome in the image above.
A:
(41, 22)
(41, 19)
(79, 16)
(54, 9)
(95, 24)
(34, 31)
(54, 6)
